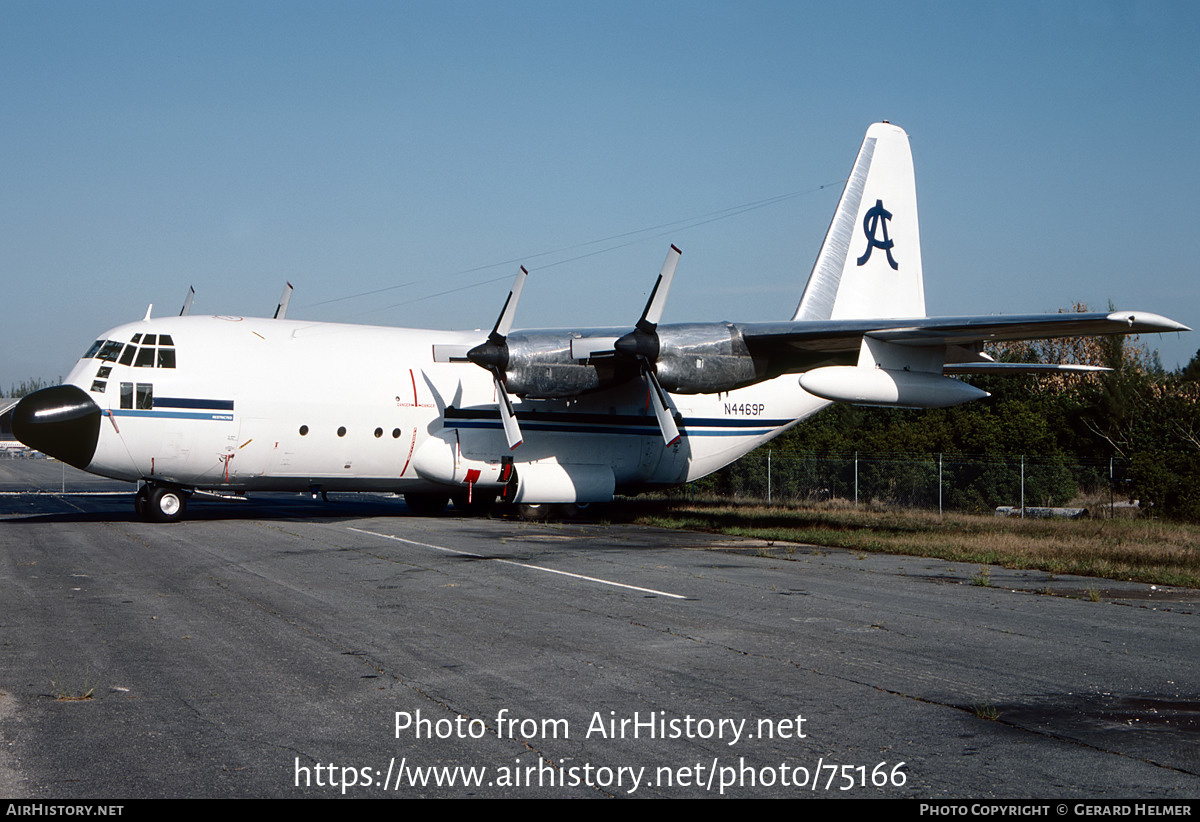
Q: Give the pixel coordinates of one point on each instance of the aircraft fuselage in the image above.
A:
(242, 404)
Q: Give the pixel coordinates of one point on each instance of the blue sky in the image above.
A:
(428, 147)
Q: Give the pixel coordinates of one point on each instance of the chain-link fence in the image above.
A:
(934, 481)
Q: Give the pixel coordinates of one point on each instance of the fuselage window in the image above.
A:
(378, 433)
(342, 431)
(145, 358)
(395, 433)
(127, 395)
(98, 386)
(304, 430)
(145, 396)
(104, 372)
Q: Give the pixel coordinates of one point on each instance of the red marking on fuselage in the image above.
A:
(411, 446)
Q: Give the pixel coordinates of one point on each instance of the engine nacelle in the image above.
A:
(540, 365)
(703, 358)
(881, 386)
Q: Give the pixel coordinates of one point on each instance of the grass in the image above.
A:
(1141, 550)
(65, 692)
(983, 578)
(985, 710)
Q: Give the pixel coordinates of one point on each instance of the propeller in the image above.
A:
(658, 398)
(284, 299)
(658, 297)
(493, 356)
(187, 302)
(641, 344)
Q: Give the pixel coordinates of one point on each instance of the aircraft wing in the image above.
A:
(798, 345)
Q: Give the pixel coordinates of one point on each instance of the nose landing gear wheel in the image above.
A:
(160, 504)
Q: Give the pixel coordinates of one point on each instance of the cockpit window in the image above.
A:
(110, 351)
(156, 350)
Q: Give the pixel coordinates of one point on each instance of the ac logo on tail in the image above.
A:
(875, 219)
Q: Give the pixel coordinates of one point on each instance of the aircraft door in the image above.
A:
(257, 451)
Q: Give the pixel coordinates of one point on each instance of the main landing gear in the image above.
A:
(160, 503)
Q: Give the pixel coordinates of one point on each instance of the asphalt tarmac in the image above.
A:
(288, 647)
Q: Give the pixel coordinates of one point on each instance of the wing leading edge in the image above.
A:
(776, 339)
(945, 345)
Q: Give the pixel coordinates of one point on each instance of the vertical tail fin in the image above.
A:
(870, 264)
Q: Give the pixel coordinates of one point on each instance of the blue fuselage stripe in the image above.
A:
(698, 427)
(694, 428)
(188, 402)
(173, 415)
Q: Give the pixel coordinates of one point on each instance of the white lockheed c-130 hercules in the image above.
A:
(223, 405)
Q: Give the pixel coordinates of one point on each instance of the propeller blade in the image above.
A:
(512, 431)
(492, 353)
(658, 297)
(505, 320)
(187, 302)
(284, 298)
(666, 420)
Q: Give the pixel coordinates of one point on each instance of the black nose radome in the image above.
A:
(61, 421)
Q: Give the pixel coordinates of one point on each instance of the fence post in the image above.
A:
(1022, 486)
(1112, 510)
(939, 485)
(855, 479)
(768, 477)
